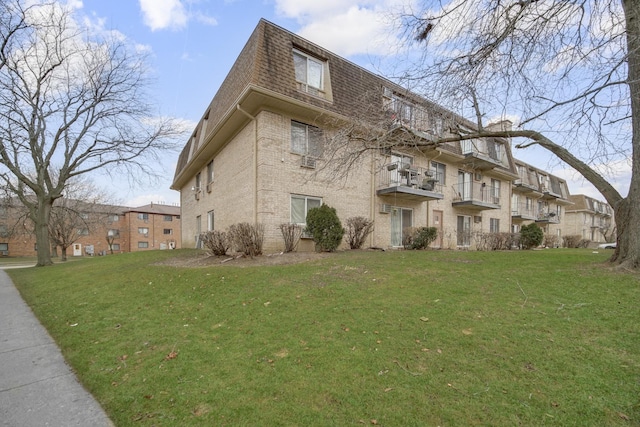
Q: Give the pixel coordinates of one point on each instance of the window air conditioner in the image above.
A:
(385, 208)
(308, 162)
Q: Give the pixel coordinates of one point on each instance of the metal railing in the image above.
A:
(476, 192)
(399, 174)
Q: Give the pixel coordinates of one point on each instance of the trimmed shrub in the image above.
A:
(419, 238)
(216, 242)
(291, 234)
(496, 241)
(325, 227)
(551, 241)
(358, 229)
(531, 236)
(247, 238)
(572, 241)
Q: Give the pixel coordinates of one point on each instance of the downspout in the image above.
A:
(255, 162)
(372, 205)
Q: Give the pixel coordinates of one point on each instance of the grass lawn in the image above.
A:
(406, 338)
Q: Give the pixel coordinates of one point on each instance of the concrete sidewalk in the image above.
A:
(37, 388)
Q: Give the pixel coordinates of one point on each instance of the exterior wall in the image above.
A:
(230, 196)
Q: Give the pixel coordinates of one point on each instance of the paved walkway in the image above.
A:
(37, 388)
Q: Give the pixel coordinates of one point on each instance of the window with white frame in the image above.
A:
(300, 206)
(83, 232)
(143, 230)
(439, 172)
(209, 175)
(115, 246)
(210, 218)
(306, 139)
(168, 217)
(309, 72)
(143, 216)
(167, 231)
(114, 232)
(143, 245)
(495, 191)
(494, 225)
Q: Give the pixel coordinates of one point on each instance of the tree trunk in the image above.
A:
(627, 212)
(41, 223)
(63, 252)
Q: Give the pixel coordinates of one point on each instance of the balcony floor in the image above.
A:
(410, 193)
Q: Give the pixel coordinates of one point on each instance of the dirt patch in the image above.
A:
(206, 260)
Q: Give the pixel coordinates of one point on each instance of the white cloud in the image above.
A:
(345, 27)
(162, 14)
(171, 14)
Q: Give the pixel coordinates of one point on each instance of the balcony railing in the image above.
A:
(548, 217)
(523, 212)
(476, 195)
(408, 181)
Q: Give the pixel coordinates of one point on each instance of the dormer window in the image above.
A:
(310, 73)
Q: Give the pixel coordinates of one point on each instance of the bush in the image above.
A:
(358, 229)
(291, 234)
(496, 241)
(324, 226)
(531, 236)
(217, 242)
(419, 238)
(572, 241)
(247, 238)
(551, 241)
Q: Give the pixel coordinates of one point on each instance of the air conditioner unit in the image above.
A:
(385, 208)
(308, 162)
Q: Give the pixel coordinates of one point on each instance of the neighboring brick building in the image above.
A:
(153, 226)
(257, 155)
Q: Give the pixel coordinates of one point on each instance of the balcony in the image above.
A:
(523, 213)
(483, 154)
(408, 182)
(475, 196)
(527, 183)
(548, 218)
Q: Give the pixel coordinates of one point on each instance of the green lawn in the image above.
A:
(430, 338)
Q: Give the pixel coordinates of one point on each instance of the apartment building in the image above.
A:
(98, 229)
(539, 197)
(590, 219)
(259, 153)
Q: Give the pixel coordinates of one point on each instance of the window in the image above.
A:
(300, 205)
(198, 182)
(495, 191)
(168, 218)
(4, 231)
(167, 231)
(306, 140)
(83, 232)
(439, 172)
(113, 233)
(209, 175)
(143, 216)
(114, 218)
(143, 230)
(494, 225)
(210, 220)
(198, 231)
(463, 233)
(115, 246)
(143, 245)
(4, 247)
(309, 72)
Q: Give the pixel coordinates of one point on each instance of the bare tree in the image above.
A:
(569, 70)
(71, 103)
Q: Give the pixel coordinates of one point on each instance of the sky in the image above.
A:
(194, 43)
